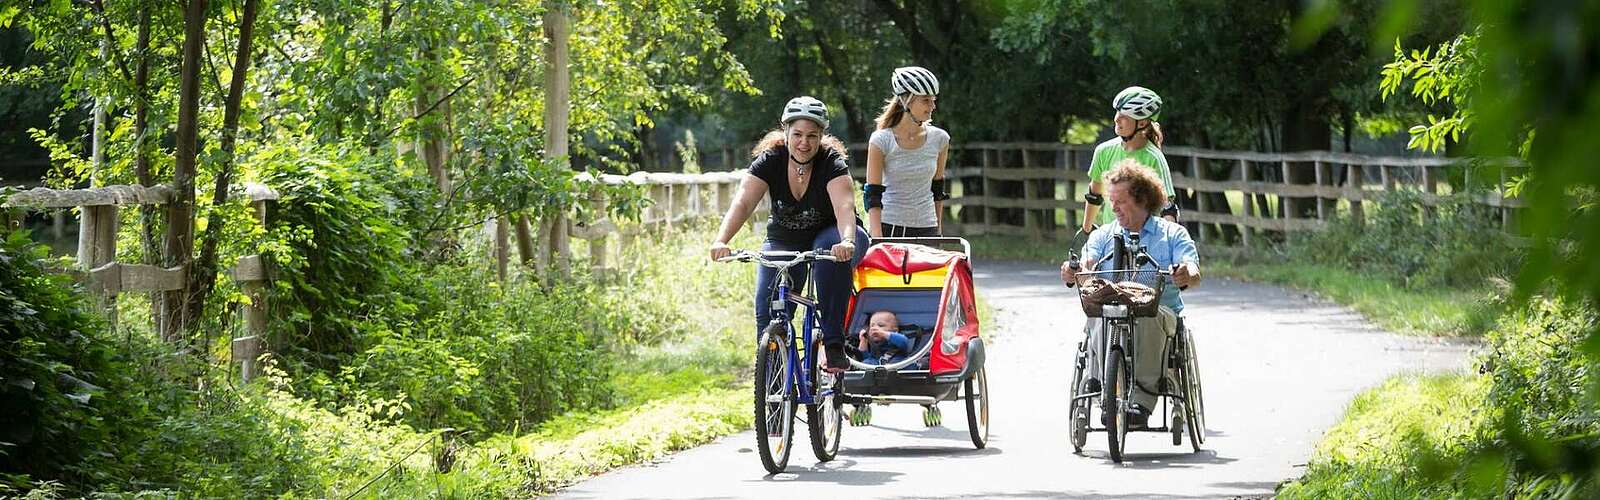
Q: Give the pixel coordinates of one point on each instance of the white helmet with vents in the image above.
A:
(1138, 103)
(915, 80)
(805, 107)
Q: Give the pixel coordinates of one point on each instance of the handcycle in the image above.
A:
(1181, 395)
(788, 370)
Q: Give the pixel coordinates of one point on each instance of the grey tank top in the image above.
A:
(907, 177)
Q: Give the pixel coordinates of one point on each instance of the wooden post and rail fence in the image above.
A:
(1030, 190)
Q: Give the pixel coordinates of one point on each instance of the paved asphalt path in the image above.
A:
(1278, 367)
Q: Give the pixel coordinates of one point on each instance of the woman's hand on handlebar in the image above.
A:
(720, 250)
(843, 250)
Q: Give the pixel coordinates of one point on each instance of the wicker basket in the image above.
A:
(1141, 292)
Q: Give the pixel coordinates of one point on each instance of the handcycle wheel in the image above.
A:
(978, 407)
(1116, 395)
(1078, 409)
(774, 404)
(1195, 408)
(825, 418)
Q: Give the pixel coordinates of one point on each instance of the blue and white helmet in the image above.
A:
(1138, 103)
(914, 80)
(805, 107)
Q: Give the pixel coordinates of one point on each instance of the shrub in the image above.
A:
(1457, 243)
(54, 372)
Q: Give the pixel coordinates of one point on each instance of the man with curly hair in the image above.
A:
(1136, 197)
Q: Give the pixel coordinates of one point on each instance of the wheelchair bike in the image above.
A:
(1179, 391)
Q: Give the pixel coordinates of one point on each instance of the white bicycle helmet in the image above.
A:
(914, 80)
(1138, 103)
(805, 107)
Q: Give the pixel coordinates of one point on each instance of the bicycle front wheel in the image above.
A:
(1116, 398)
(826, 418)
(774, 403)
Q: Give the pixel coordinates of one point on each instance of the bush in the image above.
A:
(494, 359)
(1458, 244)
(339, 245)
(54, 372)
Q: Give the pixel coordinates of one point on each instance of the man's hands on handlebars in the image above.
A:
(1186, 275)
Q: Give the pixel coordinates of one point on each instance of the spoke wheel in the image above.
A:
(1078, 411)
(1115, 398)
(1195, 409)
(774, 403)
(977, 387)
(826, 418)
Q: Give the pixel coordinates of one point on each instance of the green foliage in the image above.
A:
(1519, 429)
(339, 254)
(1456, 243)
(54, 372)
(496, 359)
(1446, 74)
(1411, 437)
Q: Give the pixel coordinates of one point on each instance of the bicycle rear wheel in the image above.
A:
(1078, 409)
(1195, 406)
(774, 403)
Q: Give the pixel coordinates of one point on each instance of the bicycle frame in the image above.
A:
(799, 367)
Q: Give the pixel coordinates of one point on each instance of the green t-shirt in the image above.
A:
(1108, 154)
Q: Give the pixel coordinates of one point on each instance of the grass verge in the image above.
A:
(1444, 312)
(1407, 438)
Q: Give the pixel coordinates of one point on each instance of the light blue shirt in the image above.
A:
(1167, 243)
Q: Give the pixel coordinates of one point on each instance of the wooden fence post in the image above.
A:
(597, 244)
(1356, 193)
(1249, 203)
(251, 273)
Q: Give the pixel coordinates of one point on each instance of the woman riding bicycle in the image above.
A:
(905, 191)
(1136, 196)
(804, 174)
(1138, 137)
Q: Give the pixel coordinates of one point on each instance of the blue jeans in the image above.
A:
(833, 283)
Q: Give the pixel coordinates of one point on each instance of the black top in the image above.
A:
(798, 221)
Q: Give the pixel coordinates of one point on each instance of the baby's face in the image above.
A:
(881, 325)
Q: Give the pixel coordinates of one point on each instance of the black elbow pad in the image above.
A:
(1093, 198)
(939, 191)
(872, 196)
(1171, 209)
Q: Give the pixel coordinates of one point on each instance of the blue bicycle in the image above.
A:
(788, 371)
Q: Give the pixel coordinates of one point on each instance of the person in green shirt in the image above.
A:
(1138, 138)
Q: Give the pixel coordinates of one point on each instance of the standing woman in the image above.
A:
(905, 190)
(1138, 137)
(803, 173)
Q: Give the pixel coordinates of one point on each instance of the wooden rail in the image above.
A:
(106, 278)
(1036, 189)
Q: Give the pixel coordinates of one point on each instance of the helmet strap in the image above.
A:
(1136, 130)
(905, 103)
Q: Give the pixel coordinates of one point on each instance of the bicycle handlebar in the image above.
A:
(766, 257)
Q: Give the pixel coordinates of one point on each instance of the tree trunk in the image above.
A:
(180, 212)
(525, 239)
(203, 277)
(1304, 129)
(431, 133)
(558, 88)
(148, 216)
